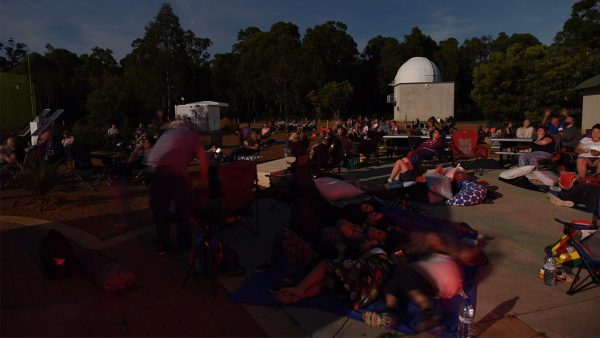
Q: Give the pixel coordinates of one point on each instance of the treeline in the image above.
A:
(279, 72)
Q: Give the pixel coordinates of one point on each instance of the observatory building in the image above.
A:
(419, 92)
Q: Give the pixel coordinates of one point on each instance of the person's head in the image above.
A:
(148, 143)
(45, 137)
(507, 125)
(540, 132)
(564, 112)
(596, 132)
(254, 135)
(374, 218)
(436, 134)
(555, 121)
(65, 134)
(367, 207)
(11, 142)
(569, 121)
(114, 126)
(140, 125)
(160, 113)
(526, 123)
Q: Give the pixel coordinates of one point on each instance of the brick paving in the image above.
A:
(32, 305)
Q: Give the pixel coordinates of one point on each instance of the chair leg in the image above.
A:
(580, 285)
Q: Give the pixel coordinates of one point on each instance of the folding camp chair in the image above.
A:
(587, 262)
(238, 184)
(464, 146)
(83, 169)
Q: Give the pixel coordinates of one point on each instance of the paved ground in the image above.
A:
(511, 300)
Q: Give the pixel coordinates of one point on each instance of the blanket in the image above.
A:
(255, 291)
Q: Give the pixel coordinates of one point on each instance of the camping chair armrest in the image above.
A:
(577, 226)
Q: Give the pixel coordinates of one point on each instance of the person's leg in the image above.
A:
(159, 203)
(537, 156)
(181, 195)
(400, 167)
(582, 165)
(596, 164)
(310, 286)
(523, 159)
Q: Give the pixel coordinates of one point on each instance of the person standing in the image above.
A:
(168, 161)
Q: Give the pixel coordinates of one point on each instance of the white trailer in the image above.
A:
(205, 115)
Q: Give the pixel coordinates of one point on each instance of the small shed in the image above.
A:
(590, 114)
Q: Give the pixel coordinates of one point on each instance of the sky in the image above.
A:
(79, 26)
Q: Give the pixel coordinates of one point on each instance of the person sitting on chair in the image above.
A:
(426, 151)
(541, 149)
(526, 131)
(589, 152)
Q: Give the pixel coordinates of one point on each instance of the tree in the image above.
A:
(335, 96)
(157, 69)
(11, 54)
(418, 44)
(582, 30)
(328, 53)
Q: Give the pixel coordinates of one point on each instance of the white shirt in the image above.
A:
(523, 132)
(587, 144)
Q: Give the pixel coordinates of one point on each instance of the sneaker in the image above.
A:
(264, 267)
(558, 202)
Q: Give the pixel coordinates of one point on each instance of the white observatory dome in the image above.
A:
(417, 70)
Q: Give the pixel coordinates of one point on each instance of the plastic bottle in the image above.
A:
(550, 271)
(465, 319)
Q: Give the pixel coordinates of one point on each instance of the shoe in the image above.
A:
(264, 267)
(558, 202)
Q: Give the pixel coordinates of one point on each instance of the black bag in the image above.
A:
(56, 254)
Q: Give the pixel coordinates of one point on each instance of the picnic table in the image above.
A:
(507, 146)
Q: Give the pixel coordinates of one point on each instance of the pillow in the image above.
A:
(439, 184)
(332, 189)
(517, 172)
(470, 193)
(546, 177)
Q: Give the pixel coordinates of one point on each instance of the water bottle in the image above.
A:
(465, 319)
(550, 271)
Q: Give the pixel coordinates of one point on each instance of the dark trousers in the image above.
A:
(167, 187)
(587, 194)
(420, 156)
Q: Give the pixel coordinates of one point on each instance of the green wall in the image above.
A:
(15, 102)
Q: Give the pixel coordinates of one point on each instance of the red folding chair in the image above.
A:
(464, 146)
(238, 184)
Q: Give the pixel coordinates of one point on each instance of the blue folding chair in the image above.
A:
(587, 262)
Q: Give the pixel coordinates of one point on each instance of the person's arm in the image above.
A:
(546, 116)
(544, 141)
